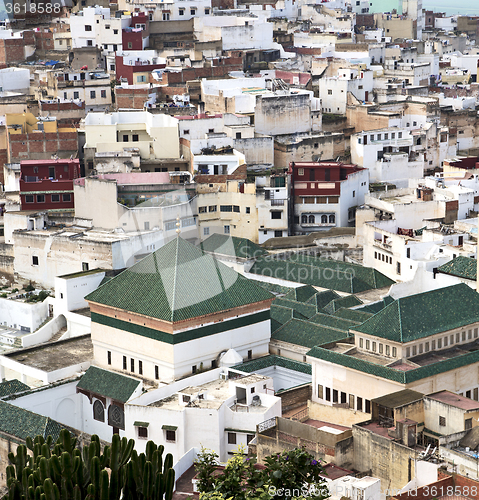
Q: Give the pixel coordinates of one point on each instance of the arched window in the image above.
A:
(311, 219)
(332, 219)
(324, 219)
(98, 411)
(304, 219)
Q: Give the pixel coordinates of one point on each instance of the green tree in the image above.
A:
(288, 475)
(43, 471)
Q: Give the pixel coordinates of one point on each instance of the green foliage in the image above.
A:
(40, 297)
(288, 475)
(41, 470)
(29, 288)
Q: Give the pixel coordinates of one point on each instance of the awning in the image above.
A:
(169, 427)
(141, 424)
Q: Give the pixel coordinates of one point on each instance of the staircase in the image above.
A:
(58, 334)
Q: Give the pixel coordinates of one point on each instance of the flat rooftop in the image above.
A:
(57, 355)
(326, 426)
(216, 393)
(454, 400)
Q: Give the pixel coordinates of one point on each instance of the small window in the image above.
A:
(226, 229)
(206, 231)
(40, 198)
(193, 12)
(181, 12)
(276, 215)
(115, 32)
(29, 198)
(76, 95)
(367, 344)
(124, 362)
(381, 348)
(143, 432)
(249, 437)
(87, 27)
(171, 436)
(442, 421)
(330, 92)
(231, 437)
(35, 260)
(55, 198)
(250, 354)
(374, 346)
(320, 391)
(92, 94)
(361, 343)
(388, 350)
(134, 138)
(140, 367)
(193, 369)
(84, 266)
(394, 352)
(132, 365)
(248, 210)
(408, 352)
(89, 43)
(108, 354)
(328, 394)
(157, 373)
(300, 171)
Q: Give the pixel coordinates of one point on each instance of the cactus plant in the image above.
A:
(43, 470)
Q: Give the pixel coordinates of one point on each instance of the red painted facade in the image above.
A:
(319, 179)
(48, 184)
(127, 71)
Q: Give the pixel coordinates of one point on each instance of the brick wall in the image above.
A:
(41, 145)
(295, 397)
(131, 98)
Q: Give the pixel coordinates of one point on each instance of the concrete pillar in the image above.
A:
(23, 378)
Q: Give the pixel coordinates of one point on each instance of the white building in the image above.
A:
(334, 91)
(94, 27)
(389, 154)
(181, 333)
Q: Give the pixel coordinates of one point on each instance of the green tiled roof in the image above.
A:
(22, 423)
(423, 314)
(307, 310)
(403, 377)
(232, 246)
(333, 321)
(177, 282)
(272, 287)
(352, 314)
(347, 302)
(462, 267)
(11, 387)
(373, 308)
(307, 334)
(321, 299)
(273, 360)
(368, 275)
(280, 315)
(330, 274)
(108, 384)
(302, 293)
